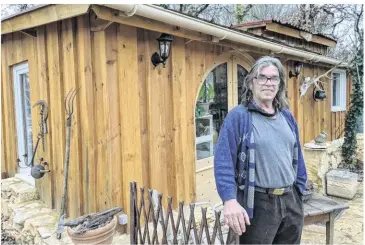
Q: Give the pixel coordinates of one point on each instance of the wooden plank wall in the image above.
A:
(8, 113)
(300, 43)
(131, 121)
(313, 117)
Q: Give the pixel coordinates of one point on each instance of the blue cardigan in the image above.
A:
(234, 158)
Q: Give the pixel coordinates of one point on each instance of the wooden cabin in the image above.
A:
(135, 121)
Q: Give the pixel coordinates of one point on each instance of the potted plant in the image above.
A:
(96, 228)
(205, 98)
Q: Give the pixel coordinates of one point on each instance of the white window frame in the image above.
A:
(342, 91)
(18, 71)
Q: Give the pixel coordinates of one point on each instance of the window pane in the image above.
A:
(241, 74)
(335, 89)
(204, 150)
(27, 115)
(210, 110)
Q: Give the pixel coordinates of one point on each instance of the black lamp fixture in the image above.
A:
(319, 94)
(298, 68)
(164, 44)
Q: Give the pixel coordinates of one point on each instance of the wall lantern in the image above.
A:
(319, 94)
(298, 68)
(164, 43)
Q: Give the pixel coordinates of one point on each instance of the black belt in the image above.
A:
(274, 191)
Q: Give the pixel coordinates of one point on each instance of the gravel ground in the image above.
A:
(348, 228)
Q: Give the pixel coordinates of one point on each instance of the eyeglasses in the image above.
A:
(261, 79)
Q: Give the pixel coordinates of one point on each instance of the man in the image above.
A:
(258, 163)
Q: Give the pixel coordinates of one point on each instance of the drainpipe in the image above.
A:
(218, 32)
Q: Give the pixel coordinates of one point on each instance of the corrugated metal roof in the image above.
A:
(254, 23)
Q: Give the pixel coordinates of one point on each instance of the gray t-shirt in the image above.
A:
(274, 151)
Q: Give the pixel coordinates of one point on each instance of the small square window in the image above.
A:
(338, 90)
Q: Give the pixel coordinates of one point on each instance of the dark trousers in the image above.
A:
(276, 219)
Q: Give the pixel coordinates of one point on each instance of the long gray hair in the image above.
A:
(280, 100)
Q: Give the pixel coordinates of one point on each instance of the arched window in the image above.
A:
(220, 92)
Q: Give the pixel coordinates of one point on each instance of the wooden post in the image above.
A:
(133, 232)
(330, 228)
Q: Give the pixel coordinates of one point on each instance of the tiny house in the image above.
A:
(133, 120)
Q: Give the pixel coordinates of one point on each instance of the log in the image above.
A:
(79, 220)
(92, 221)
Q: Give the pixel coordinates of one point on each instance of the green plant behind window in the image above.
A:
(199, 111)
(206, 93)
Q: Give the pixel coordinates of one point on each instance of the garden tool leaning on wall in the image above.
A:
(42, 129)
(43, 124)
(70, 97)
(38, 171)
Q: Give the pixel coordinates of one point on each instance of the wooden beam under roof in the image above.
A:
(274, 27)
(42, 16)
(259, 26)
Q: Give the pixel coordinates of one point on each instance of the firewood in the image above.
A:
(92, 221)
(79, 220)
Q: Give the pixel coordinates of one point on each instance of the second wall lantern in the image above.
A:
(319, 94)
(164, 44)
(297, 69)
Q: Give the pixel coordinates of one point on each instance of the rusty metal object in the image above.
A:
(39, 170)
(70, 97)
(42, 127)
(35, 150)
(43, 122)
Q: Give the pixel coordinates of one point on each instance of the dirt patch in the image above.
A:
(348, 227)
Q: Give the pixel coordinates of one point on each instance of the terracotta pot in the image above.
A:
(102, 235)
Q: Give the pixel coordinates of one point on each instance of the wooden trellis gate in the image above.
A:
(172, 233)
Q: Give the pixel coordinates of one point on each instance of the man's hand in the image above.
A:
(235, 216)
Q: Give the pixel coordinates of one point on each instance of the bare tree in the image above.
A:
(270, 11)
(9, 9)
(343, 22)
(241, 11)
(223, 14)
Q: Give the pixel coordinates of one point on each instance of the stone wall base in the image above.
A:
(320, 161)
(28, 220)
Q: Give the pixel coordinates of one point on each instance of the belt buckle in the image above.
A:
(278, 191)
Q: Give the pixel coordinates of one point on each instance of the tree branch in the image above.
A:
(357, 21)
(202, 8)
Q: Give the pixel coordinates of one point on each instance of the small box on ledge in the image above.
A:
(341, 183)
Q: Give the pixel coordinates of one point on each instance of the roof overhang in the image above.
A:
(217, 32)
(273, 26)
(42, 15)
(137, 13)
